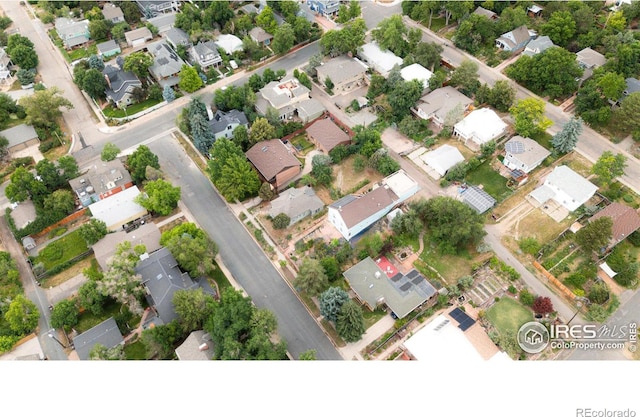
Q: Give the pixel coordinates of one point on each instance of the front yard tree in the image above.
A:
(26, 76)
(529, 117)
(95, 62)
(238, 180)
(159, 197)
(99, 29)
(193, 308)
(311, 277)
(560, 27)
(281, 221)
(22, 315)
(168, 94)
(69, 167)
(138, 63)
(201, 132)
(65, 315)
(25, 57)
(43, 108)
(109, 152)
(612, 85)
(404, 97)
(502, 95)
(350, 322)
(426, 54)
(138, 162)
(221, 151)
(609, 166)
(331, 302)
(465, 76)
(542, 305)
(627, 114)
(266, 192)
(283, 39)
(261, 130)
(595, 235)
(192, 247)
(94, 83)
(190, 81)
(565, 140)
(391, 34)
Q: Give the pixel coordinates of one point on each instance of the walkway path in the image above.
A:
(352, 350)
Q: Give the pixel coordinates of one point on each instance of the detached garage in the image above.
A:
(443, 158)
(20, 137)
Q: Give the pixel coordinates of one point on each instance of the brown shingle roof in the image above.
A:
(625, 221)
(327, 134)
(271, 157)
(367, 205)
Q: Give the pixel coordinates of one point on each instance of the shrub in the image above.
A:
(576, 280)
(281, 221)
(529, 245)
(512, 289)
(527, 298)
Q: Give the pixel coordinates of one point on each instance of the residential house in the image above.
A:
(177, 36)
(491, 15)
(632, 86)
(523, 154)
(353, 214)
(534, 10)
(166, 64)
(326, 8)
(379, 283)
(480, 126)
(326, 135)
(625, 221)
(206, 54)
(515, 40)
(297, 203)
(260, 35)
(476, 198)
(284, 96)
(161, 278)
(379, 60)
(275, 163)
(163, 22)
(252, 8)
(106, 334)
(153, 8)
(198, 346)
(120, 84)
(138, 37)
(101, 181)
(108, 49)
(538, 45)
(416, 72)
(566, 187)
(147, 234)
(442, 159)
(224, 123)
(345, 73)
(589, 60)
(309, 110)
(436, 105)
(112, 13)
(5, 65)
(20, 137)
(229, 43)
(72, 33)
(118, 210)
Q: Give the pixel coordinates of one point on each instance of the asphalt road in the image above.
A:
(243, 257)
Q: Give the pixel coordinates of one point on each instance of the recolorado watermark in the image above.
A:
(590, 412)
(534, 337)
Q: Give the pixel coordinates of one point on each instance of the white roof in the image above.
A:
(442, 341)
(229, 43)
(571, 183)
(482, 124)
(401, 183)
(443, 158)
(607, 270)
(416, 72)
(118, 208)
(383, 61)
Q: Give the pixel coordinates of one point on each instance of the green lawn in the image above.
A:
(493, 183)
(437, 23)
(451, 267)
(132, 109)
(507, 315)
(62, 250)
(220, 278)
(89, 320)
(301, 143)
(543, 139)
(136, 351)
(372, 317)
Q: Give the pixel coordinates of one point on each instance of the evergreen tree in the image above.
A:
(350, 322)
(565, 140)
(331, 302)
(168, 94)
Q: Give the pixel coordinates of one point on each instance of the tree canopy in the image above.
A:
(193, 308)
(43, 108)
(192, 248)
(350, 322)
(565, 140)
(331, 302)
(159, 197)
(609, 166)
(529, 116)
(311, 277)
(138, 161)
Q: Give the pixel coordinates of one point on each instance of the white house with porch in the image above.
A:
(566, 187)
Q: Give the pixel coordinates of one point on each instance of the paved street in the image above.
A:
(258, 276)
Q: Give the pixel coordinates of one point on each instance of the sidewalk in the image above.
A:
(352, 350)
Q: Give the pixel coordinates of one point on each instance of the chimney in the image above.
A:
(203, 347)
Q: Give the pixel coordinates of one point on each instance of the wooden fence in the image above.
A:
(555, 281)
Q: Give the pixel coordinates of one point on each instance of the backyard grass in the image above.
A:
(507, 315)
(136, 351)
(540, 226)
(543, 139)
(492, 182)
(437, 23)
(72, 271)
(88, 320)
(301, 143)
(451, 267)
(131, 110)
(62, 250)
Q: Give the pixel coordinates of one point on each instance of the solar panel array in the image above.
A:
(514, 147)
(478, 199)
(464, 321)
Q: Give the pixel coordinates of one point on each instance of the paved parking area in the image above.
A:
(397, 142)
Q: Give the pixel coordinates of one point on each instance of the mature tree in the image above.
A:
(625, 264)
(8, 107)
(201, 132)
(612, 85)
(595, 235)
(60, 202)
(391, 34)
(529, 118)
(99, 29)
(241, 137)
(22, 315)
(627, 115)
(234, 98)
(131, 12)
(160, 341)
(308, 355)
(192, 247)
(168, 94)
(437, 79)
(138, 161)
(456, 9)
(26, 76)
(321, 169)
(609, 166)
(366, 140)
(560, 27)
(90, 298)
(283, 39)
(109, 152)
(423, 10)
(159, 197)
(49, 175)
(24, 185)
(238, 180)
(190, 81)
(266, 192)
(542, 305)
(24, 56)
(331, 302)
(348, 39)
(511, 18)
(350, 322)
(217, 14)
(465, 76)
(475, 33)
(17, 39)
(266, 20)
(94, 83)
(502, 95)
(407, 223)
(68, 166)
(93, 231)
(4, 145)
(120, 281)
(138, 63)
(118, 31)
(281, 221)
(222, 150)
(101, 353)
(426, 54)
(331, 267)
(65, 315)
(403, 97)
(565, 140)
(43, 107)
(599, 293)
(261, 130)
(311, 277)
(193, 308)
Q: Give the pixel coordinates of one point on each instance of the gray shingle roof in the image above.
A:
(19, 134)
(222, 119)
(296, 201)
(633, 86)
(107, 46)
(120, 82)
(106, 334)
(341, 68)
(259, 35)
(177, 36)
(166, 61)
